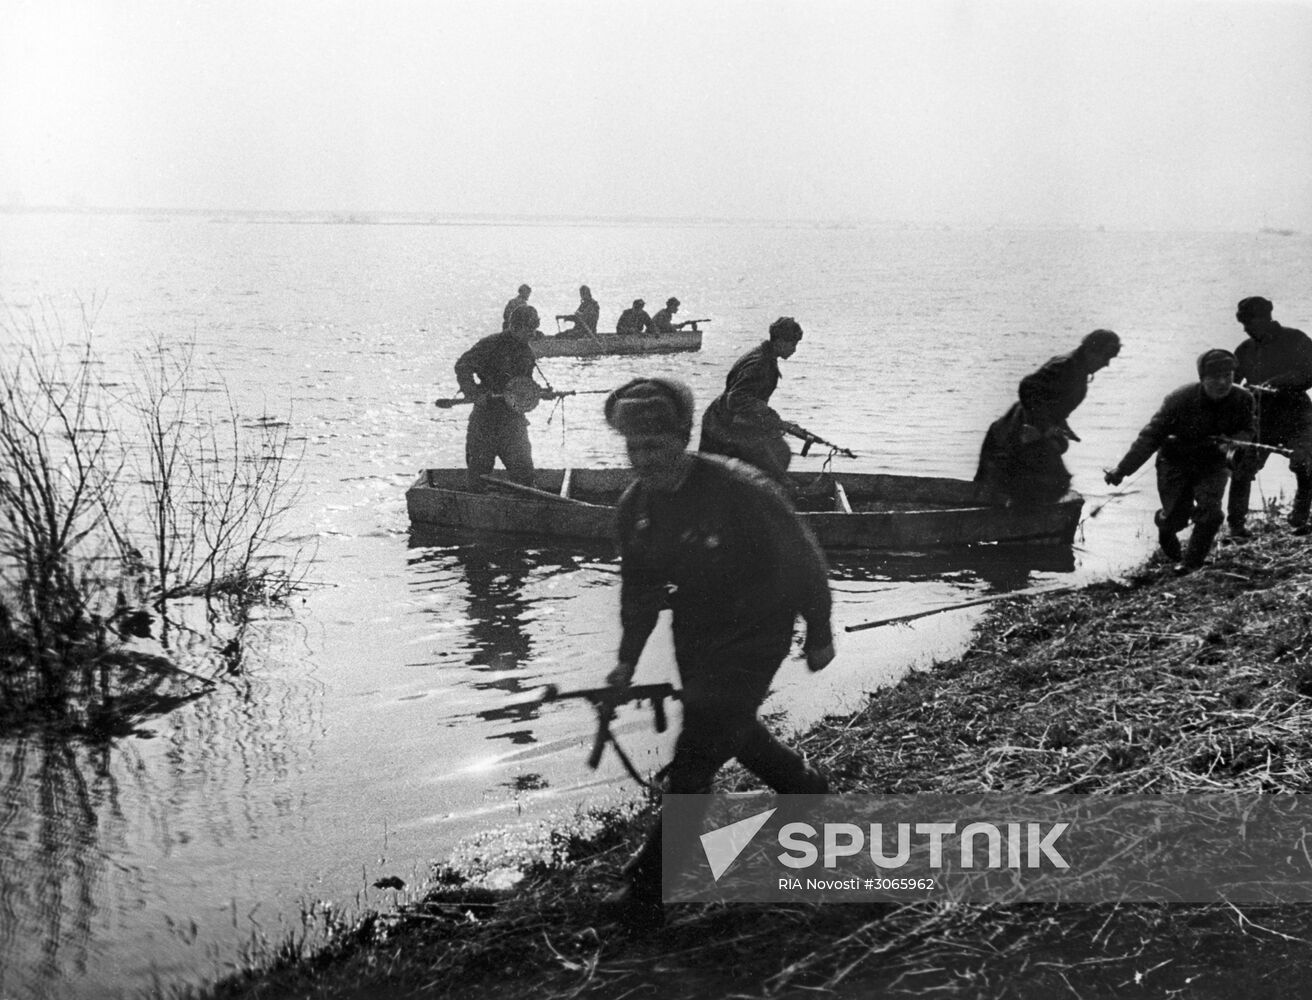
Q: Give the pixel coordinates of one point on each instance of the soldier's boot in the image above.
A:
(1237, 508)
(1200, 544)
(636, 906)
(1299, 509)
(1166, 540)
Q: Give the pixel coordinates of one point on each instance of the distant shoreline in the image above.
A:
(396, 218)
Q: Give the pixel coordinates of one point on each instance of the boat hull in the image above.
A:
(613, 343)
(890, 513)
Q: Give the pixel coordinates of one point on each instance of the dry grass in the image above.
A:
(1162, 684)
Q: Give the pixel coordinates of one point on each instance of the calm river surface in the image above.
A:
(368, 731)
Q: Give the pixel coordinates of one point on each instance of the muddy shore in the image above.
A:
(1153, 684)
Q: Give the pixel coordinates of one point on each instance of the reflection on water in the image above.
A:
(55, 795)
(497, 612)
(505, 587)
(509, 643)
(86, 819)
(997, 567)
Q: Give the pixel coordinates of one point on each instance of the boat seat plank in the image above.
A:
(531, 491)
(841, 503)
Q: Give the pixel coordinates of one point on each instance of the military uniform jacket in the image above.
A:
(587, 315)
(1051, 394)
(1285, 356)
(1182, 427)
(490, 365)
(727, 555)
(634, 321)
(742, 409)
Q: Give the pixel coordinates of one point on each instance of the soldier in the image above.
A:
(716, 542)
(1020, 459)
(635, 321)
(585, 317)
(739, 423)
(1191, 463)
(663, 321)
(1275, 362)
(520, 299)
(495, 430)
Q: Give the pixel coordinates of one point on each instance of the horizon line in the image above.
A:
(420, 217)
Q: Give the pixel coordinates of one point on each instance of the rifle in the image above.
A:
(1233, 443)
(809, 439)
(1265, 388)
(605, 700)
(690, 322)
(522, 395)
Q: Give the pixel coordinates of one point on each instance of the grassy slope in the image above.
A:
(1161, 684)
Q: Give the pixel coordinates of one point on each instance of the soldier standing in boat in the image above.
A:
(739, 423)
(585, 317)
(495, 429)
(634, 321)
(521, 299)
(1191, 461)
(1275, 363)
(717, 543)
(1021, 458)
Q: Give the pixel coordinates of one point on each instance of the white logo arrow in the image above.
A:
(723, 846)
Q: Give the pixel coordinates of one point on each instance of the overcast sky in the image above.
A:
(1143, 114)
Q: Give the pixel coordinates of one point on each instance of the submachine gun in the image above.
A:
(808, 439)
(1230, 442)
(605, 700)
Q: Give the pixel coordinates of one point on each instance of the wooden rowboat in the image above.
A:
(845, 511)
(612, 343)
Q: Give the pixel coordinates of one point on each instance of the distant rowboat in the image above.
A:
(613, 343)
(846, 511)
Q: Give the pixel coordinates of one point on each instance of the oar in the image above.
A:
(898, 619)
(535, 492)
(578, 323)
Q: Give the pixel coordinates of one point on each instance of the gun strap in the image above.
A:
(628, 764)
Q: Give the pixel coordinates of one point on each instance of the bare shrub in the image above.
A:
(58, 468)
(114, 503)
(212, 490)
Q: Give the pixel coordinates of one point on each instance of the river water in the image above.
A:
(372, 725)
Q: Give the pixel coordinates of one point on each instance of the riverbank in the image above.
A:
(1154, 684)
